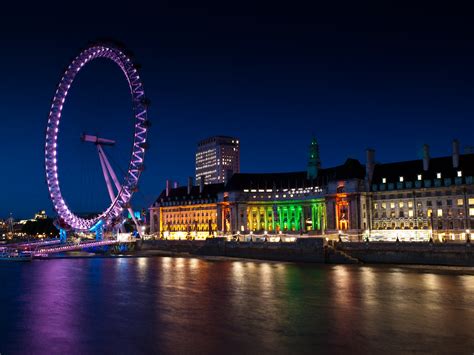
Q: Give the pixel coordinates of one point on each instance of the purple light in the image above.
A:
(52, 129)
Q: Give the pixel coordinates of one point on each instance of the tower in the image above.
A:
(314, 161)
(217, 158)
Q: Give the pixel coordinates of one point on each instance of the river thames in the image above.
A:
(188, 305)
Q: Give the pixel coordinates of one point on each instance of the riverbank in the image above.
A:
(318, 250)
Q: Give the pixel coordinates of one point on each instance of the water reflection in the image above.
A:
(188, 305)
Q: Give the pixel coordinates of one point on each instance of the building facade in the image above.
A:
(217, 158)
(422, 199)
(187, 212)
(418, 200)
(324, 203)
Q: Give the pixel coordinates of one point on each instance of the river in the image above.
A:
(189, 305)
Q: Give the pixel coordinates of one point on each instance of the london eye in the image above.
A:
(120, 190)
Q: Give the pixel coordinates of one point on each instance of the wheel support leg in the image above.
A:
(62, 235)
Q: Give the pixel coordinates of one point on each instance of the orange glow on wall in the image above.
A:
(189, 218)
(342, 211)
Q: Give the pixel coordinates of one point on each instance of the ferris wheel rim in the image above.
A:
(135, 166)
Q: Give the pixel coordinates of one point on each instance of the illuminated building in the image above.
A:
(294, 203)
(41, 215)
(317, 201)
(422, 199)
(187, 212)
(271, 202)
(409, 201)
(217, 158)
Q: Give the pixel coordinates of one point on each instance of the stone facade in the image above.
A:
(410, 201)
(423, 199)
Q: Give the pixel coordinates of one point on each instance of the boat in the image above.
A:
(15, 255)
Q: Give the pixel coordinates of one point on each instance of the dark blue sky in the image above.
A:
(379, 75)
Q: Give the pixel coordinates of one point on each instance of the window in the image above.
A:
(428, 203)
(439, 203)
(401, 178)
(410, 204)
(438, 175)
(384, 205)
(375, 206)
(392, 204)
(419, 177)
(384, 180)
(400, 204)
(439, 212)
(459, 173)
(471, 201)
(410, 213)
(401, 214)
(449, 202)
(471, 211)
(460, 202)
(430, 212)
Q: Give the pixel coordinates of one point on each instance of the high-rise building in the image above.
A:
(217, 158)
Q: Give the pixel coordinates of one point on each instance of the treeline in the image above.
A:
(40, 226)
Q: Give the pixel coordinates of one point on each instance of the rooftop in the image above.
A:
(410, 170)
(351, 169)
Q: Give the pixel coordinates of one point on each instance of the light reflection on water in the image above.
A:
(188, 305)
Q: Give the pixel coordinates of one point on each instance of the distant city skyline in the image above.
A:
(355, 76)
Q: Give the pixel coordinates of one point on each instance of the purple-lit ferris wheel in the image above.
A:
(120, 198)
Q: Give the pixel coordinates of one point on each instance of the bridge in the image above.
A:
(54, 246)
(61, 248)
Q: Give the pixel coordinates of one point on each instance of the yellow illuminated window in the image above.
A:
(471, 211)
(459, 173)
(384, 205)
(430, 212)
(460, 202)
(438, 175)
(471, 201)
(400, 204)
(401, 178)
(392, 204)
(419, 177)
(384, 180)
(375, 206)
(439, 212)
(410, 213)
(410, 204)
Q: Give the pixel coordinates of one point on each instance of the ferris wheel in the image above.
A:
(124, 189)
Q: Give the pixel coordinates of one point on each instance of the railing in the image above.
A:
(72, 247)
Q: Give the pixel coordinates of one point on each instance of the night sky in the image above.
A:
(270, 73)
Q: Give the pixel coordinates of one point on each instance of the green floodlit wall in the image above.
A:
(290, 215)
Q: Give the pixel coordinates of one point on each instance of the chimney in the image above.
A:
(370, 164)
(201, 184)
(455, 154)
(175, 185)
(167, 188)
(426, 157)
(190, 184)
